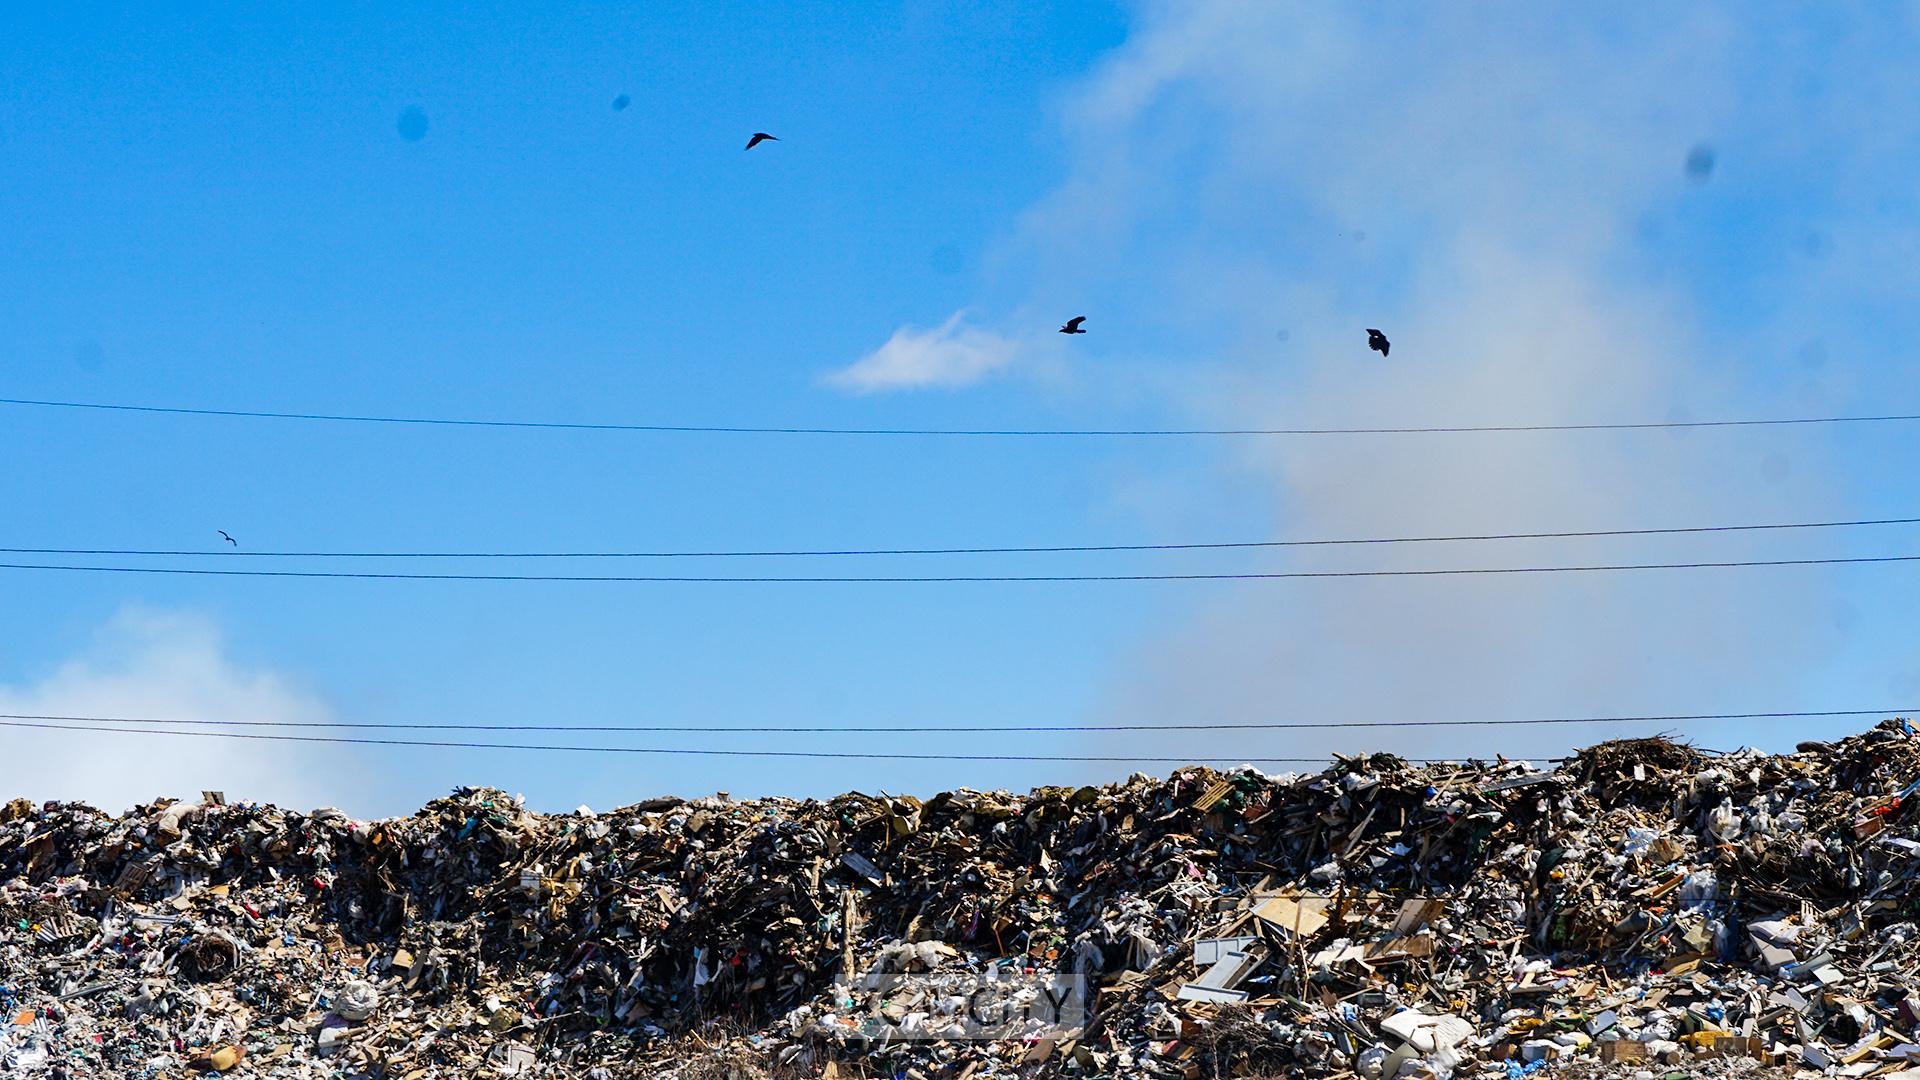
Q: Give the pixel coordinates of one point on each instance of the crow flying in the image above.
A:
(228, 539)
(1378, 342)
(760, 137)
(1073, 325)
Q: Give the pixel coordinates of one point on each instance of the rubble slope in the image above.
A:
(1640, 900)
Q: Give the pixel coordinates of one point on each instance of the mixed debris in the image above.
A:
(1641, 909)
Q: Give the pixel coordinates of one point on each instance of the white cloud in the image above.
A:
(172, 667)
(950, 355)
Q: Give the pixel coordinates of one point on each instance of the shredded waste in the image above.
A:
(1640, 909)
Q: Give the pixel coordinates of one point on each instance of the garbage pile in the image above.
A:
(1642, 908)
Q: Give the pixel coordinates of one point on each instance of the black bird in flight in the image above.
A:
(1073, 325)
(1378, 342)
(228, 539)
(760, 137)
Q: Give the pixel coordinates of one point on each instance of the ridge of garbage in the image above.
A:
(1641, 906)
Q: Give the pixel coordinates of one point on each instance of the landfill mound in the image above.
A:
(1640, 907)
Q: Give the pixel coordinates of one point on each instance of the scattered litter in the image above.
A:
(1644, 908)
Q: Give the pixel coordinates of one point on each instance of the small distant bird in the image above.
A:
(1378, 342)
(228, 539)
(1073, 325)
(621, 102)
(760, 137)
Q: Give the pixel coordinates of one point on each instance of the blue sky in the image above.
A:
(220, 210)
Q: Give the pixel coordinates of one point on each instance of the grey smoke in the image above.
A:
(1509, 164)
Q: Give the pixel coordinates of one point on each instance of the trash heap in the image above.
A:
(1642, 908)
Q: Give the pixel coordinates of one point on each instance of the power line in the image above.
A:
(676, 751)
(1054, 549)
(821, 729)
(718, 429)
(953, 578)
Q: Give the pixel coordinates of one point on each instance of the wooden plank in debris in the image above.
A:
(1415, 914)
(1219, 790)
(1299, 916)
(1403, 948)
(1665, 887)
(1622, 1050)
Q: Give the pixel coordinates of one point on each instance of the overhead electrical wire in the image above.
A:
(370, 575)
(1051, 549)
(731, 429)
(688, 752)
(904, 729)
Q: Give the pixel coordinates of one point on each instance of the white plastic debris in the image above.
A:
(357, 1001)
(1427, 1033)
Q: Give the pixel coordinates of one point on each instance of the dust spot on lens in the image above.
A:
(1845, 617)
(1700, 162)
(1680, 417)
(412, 124)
